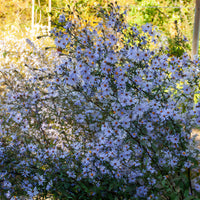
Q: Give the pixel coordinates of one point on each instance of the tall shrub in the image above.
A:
(110, 118)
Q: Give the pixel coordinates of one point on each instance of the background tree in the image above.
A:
(174, 17)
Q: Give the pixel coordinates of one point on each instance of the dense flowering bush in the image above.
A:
(108, 118)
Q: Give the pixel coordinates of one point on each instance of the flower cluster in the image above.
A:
(110, 117)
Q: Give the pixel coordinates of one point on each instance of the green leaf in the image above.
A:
(174, 196)
(186, 193)
(189, 198)
(163, 182)
(4, 54)
(111, 187)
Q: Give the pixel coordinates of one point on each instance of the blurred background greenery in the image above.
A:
(174, 18)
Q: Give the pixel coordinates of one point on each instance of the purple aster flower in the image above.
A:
(173, 162)
(141, 191)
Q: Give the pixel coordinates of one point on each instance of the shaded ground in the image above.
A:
(196, 132)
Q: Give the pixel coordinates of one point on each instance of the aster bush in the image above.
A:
(108, 116)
